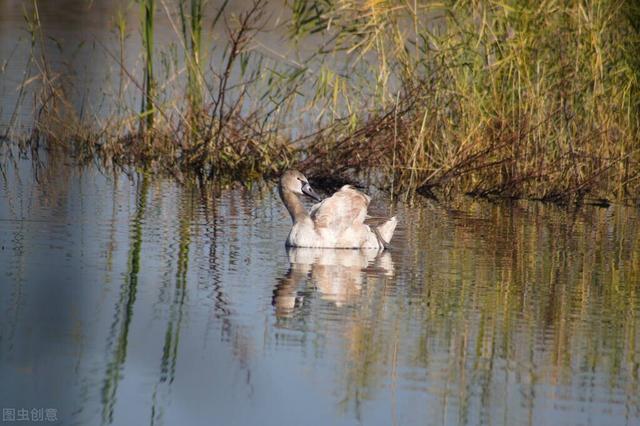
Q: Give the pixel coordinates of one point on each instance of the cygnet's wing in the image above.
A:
(342, 210)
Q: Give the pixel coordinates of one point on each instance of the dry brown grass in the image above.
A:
(499, 99)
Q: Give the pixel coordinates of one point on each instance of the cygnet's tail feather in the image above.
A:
(386, 229)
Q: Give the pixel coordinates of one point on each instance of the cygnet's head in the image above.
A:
(296, 182)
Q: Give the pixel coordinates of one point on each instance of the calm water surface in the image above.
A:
(136, 301)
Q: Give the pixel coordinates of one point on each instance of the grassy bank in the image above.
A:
(500, 99)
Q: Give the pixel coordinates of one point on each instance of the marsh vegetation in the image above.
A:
(509, 99)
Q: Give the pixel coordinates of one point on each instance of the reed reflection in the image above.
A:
(123, 311)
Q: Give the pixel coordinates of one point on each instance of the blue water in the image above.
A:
(130, 300)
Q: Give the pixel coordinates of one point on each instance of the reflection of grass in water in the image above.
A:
(172, 335)
(119, 334)
(549, 300)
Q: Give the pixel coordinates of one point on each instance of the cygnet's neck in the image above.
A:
(294, 205)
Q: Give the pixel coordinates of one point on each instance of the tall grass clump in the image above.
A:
(215, 126)
(502, 98)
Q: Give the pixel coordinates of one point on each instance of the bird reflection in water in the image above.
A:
(337, 275)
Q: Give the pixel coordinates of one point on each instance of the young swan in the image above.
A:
(336, 222)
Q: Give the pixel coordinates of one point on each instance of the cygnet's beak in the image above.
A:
(307, 190)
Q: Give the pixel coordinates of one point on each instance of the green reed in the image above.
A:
(147, 10)
(192, 34)
(120, 25)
